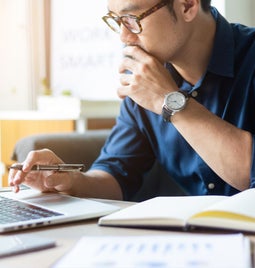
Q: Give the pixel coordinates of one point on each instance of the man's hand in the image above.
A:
(44, 181)
(147, 81)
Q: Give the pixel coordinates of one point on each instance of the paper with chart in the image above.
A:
(190, 250)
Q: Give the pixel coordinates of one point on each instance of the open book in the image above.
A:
(236, 212)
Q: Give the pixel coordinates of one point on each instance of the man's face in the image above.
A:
(162, 33)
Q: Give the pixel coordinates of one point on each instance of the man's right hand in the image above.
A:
(45, 181)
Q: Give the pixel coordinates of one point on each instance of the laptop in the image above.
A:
(30, 209)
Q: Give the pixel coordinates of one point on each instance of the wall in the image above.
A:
(242, 11)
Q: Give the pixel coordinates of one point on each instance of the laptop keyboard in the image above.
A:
(12, 210)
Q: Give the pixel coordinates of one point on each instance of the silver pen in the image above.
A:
(57, 167)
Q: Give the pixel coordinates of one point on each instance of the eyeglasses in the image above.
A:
(131, 22)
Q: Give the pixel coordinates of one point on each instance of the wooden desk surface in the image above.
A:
(66, 236)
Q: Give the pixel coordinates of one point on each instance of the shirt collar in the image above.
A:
(222, 59)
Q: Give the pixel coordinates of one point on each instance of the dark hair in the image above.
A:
(205, 4)
(171, 9)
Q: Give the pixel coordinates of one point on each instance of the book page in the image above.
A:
(159, 251)
(161, 211)
(235, 212)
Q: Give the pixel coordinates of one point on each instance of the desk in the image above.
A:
(67, 235)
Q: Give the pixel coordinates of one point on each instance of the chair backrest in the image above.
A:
(84, 148)
(70, 147)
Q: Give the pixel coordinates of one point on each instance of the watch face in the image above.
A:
(175, 101)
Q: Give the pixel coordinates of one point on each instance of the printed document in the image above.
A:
(189, 250)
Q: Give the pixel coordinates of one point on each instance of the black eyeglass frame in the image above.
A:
(120, 19)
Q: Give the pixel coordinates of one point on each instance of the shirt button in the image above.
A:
(194, 94)
(211, 186)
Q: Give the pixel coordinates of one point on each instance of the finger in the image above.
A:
(131, 55)
(134, 52)
(125, 79)
(36, 180)
(121, 93)
(15, 188)
(127, 66)
(44, 156)
(16, 177)
(60, 181)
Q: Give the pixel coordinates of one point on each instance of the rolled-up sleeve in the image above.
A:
(126, 154)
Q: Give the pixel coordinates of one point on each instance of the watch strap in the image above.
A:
(166, 114)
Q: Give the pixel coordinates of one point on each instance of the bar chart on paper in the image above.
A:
(159, 251)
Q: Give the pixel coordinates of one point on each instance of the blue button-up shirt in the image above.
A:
(227, 89)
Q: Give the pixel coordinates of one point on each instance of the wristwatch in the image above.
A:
(173, 103)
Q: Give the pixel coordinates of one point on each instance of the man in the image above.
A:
(181, 55)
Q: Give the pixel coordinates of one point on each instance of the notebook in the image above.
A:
(23, 243)
(31, 209)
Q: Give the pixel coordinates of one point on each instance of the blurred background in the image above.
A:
(59, 66)
(62, 47)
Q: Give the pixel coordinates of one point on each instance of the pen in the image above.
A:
(58, 167)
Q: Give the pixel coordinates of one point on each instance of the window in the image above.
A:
(21, 52)
(84, 54)
(220, 5)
